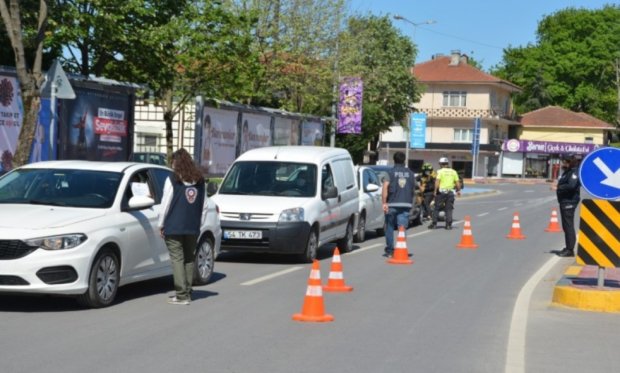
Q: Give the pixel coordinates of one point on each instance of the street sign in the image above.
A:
(475, 143)
(599, 233)
(56, 78)
(600, 173)
(418, 131)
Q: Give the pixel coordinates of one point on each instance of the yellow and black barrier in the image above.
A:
(599, 233)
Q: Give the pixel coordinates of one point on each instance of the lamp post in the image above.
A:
(415, 26)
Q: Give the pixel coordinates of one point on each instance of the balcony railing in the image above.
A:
(463, 112)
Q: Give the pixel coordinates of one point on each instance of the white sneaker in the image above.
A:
(175, 300)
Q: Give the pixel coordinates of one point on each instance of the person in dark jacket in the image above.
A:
(183, 212)
(568, 194)
(397, 195)
(428, 189)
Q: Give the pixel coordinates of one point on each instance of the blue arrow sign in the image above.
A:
(600, 173)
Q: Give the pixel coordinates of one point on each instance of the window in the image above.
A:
(150, 140)
(455, 98)
(463, 134)
(589, 140)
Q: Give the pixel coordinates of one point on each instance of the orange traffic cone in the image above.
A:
(313, 308)
(467, 239)
(401, 255)
(554, 226)
(515, 232)
(335, 281)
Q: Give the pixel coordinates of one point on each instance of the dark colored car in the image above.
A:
(148, 157)
(415, 215)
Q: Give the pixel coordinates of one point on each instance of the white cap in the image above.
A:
(443, 160)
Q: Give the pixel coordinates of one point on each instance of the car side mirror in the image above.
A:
(211, 188)
(140, 202)
(372, 187)
(329, 192)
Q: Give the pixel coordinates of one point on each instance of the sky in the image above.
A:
(478, 28)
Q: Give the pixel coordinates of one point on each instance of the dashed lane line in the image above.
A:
(271, 276)
(483, 214)
(502, 208)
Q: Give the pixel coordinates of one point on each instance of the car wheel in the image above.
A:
(345, 244)
(361, 229)
(204, 261)
(311, 247)
(103, 281)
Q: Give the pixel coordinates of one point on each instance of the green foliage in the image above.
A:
(571, 65)
(373, 49)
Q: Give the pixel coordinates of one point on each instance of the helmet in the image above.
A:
(443, 160)
(427, 167)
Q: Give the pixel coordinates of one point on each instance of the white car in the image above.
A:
(371, 215)
(85, 228)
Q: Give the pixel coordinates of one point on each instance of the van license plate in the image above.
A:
(243, 235)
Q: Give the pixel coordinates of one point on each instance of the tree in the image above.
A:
(373, 49)
(571, 65)
(29, 75)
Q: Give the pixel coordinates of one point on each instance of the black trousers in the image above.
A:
(567, 213)
(426, 205)
(445, 200)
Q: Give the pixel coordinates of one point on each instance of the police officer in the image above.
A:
(397, 196)
(446, 185)
(567, 190)
(428, 189)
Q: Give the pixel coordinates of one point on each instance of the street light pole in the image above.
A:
(415, 26)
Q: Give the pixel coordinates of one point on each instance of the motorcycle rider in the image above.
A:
(427, 182)
(446, 185)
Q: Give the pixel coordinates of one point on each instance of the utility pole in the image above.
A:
(408, 131)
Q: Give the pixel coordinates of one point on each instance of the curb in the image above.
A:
(578, 289)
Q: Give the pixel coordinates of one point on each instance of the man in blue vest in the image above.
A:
(397, 195)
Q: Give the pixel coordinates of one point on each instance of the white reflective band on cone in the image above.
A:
(314, 291)
(336, 275)
(315, 274)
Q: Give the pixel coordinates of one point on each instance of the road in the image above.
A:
(451, 311)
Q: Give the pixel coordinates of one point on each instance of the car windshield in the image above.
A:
(60, 187)
(271, 179)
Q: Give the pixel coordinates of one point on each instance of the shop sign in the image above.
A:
(546, 147)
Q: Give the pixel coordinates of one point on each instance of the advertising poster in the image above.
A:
(282, 132)
(42, 143)
(417, 131)
(255, 131)
(94, 126)
(350, 106)
(219, 140)
(11, 117)
(312, 133)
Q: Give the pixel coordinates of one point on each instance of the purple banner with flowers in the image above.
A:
(547, 147)
(350, 106)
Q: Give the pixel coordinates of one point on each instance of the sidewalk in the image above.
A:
(506, 180)
(469, 191)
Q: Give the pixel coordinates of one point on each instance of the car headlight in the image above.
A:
(68, 241)
(296, 214)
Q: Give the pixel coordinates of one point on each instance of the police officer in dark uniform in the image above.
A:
(397, 196)
(568, 193)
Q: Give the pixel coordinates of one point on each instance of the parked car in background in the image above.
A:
(84, 228)
(371, 215)
(415, 215)
(148, 157)
(289, 200)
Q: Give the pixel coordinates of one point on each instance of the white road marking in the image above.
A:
(528, 191)
(502, 208)
(515, 354)
(483, 214)
(269, 277)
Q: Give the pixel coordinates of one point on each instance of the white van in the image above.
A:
(289, 200)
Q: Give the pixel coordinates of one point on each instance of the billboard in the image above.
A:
(11, 117)
(95, 126)
(417, 131)
(312, 133)
(219, 140)
(255, 131)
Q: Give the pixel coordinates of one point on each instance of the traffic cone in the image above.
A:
(313, 308)
(554, 226)
(401, 255)
(335, 281)
(515, 232)
(467, 239)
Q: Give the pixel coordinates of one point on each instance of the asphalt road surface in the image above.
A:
(483, 310)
